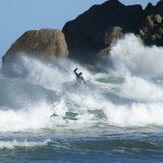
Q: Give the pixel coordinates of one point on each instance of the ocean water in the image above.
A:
(117, 116)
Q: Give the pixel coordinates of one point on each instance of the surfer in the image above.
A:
(79, 77)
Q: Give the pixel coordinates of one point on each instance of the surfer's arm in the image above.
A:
(76, 72)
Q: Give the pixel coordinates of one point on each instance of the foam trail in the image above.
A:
(13, 144)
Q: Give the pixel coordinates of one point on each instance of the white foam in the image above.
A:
(134, 63)
(50, 76)
(35, 117)
(130, 53)
(142, 90)
(134, 115)
(13, 144)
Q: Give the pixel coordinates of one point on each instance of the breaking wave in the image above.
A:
(130, 94)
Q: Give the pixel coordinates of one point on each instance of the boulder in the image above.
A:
(44, 44)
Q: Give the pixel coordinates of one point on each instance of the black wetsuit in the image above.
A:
(79, 78)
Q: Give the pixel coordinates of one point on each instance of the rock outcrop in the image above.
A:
(44, 44)
(90, 34)
(151, 25)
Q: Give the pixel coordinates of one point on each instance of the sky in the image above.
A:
(19, 16)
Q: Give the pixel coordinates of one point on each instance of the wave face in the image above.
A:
(48, 102)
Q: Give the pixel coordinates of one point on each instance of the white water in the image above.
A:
(29, 144)
(130, 55)
(131, 94)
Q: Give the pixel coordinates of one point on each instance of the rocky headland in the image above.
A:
(87, 38)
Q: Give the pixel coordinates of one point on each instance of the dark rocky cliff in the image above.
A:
(91, 33)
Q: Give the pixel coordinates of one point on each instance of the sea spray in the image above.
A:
(49, 75)
(47, 96)
(130, 54)
(46, 117)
